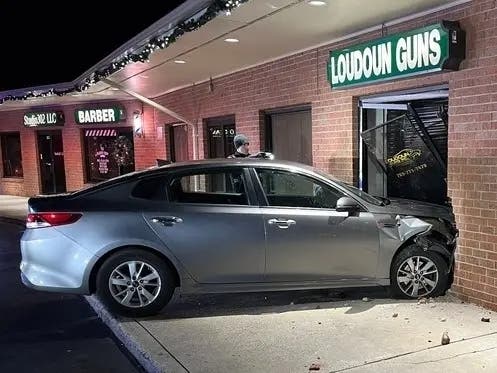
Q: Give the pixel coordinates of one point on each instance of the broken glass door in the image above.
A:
(406, 151)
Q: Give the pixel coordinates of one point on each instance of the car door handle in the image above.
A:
(167, 221)
(283, 224)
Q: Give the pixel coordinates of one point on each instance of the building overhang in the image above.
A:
(266, 31)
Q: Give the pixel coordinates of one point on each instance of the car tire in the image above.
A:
(409, 282)
(143, 295)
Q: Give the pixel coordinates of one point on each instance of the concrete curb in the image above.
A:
(142, 356)
(129, 331)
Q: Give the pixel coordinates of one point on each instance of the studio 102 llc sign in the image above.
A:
(429, 49)
(43, 119)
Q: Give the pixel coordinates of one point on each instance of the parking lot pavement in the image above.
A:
(49, 332)
(315, 331)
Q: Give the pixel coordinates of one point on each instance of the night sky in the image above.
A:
(48, 42)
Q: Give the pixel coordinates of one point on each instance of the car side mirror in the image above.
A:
(347, 204)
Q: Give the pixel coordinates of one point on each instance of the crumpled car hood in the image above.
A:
(418, 208)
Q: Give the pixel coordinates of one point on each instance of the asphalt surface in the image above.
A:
(48, 332)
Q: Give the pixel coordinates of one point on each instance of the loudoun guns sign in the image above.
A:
(433, 48)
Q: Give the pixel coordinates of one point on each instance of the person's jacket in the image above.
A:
(237, 154)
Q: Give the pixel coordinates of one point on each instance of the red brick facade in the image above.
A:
(301, 79)
(73, 147)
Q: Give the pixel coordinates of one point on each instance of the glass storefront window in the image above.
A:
(108, 153)
(11, 154)
(406, 151)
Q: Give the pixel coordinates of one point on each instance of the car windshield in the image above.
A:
(356, 191)
(365, 196)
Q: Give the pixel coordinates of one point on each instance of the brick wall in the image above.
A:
(73, 143)
(473, 157)
(301, 79)
(295, 80)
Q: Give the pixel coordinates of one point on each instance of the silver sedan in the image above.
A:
(231, 226)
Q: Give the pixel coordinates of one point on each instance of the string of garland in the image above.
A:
(142, 54)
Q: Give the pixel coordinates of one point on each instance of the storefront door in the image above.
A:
(51, 155)
(289, 135)
(221, 133)
(220, 136)
(405, 148)
(178, 143)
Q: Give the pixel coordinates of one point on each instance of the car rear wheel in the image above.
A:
(416, 273)
(135, 283)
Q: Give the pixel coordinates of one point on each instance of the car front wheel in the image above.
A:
(417, 273)
(135, 283)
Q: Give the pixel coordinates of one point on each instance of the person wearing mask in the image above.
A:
(242, 147)
(242, 151)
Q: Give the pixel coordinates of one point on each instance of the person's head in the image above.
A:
(241, 143)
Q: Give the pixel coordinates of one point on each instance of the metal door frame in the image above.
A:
(390, 101)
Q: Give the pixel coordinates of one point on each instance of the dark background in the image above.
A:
(48, 42)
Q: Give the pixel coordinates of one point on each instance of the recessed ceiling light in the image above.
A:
(231, 40)
(317, 3)
(180, 61)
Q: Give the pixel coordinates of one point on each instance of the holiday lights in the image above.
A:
(139, 55)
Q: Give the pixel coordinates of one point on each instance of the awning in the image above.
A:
(252, 34)
(100, 133)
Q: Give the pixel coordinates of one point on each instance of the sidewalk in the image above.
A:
(305, 331)
(13, 207)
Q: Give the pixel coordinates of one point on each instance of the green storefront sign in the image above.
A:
(43, 119)
(433, 48)
(99, 115)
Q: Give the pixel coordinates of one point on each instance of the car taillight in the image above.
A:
(50, 219)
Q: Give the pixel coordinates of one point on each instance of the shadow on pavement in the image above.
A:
(210, 305)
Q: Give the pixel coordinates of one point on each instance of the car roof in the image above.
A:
(195, 164)
(256, 162)
(243, 162)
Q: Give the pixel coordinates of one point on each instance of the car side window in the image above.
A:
(216, 187)
(289, 189)
(151, 188)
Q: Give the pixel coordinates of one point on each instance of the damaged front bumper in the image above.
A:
(430, 234)
(447, 250)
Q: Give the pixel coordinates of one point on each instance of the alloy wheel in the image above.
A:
(417, 276)
(135, 284)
